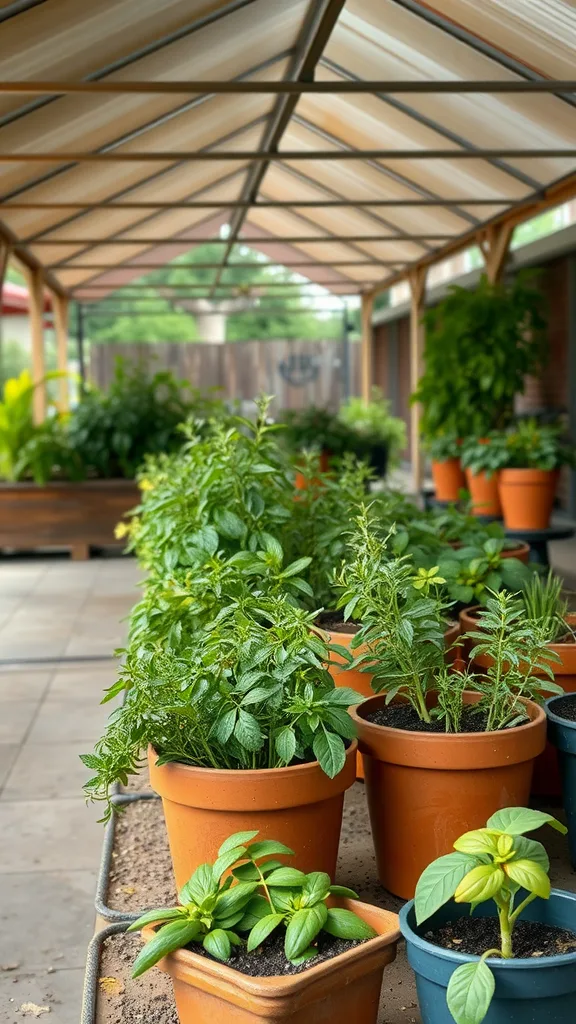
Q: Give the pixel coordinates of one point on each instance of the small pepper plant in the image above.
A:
(255, 899)
(491, 863)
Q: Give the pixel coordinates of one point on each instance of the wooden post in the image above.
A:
(36, 290)
(60, 307)
(494, 245)
(366, 354)
(4, 257)
(417, 281)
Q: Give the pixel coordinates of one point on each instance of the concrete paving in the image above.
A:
(52, 611)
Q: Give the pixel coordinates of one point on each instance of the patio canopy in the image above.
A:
(353, 140)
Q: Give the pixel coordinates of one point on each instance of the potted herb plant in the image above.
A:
(447, 473)
(242, 722)
(440, 747)
(488, 938)
(542, 604)
(480, 346)
(267, 943)
(377, 436)
(531, 460)
(314, 429)
(561, 712)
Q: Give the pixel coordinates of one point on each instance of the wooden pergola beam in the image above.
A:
(60, 306)
(367, 349)
(36, 292)
(219, 156)
(287, 88)
(417, 282)
(560, 192)
(494, 244)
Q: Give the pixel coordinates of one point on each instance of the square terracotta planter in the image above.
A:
(344, 990)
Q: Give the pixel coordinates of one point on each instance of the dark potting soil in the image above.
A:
(474, 935)
(403, 716)
(269, 960)
(334, 622)
(565, 707)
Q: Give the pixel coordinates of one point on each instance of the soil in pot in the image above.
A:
(425, 789)
(270, 961)
(565, 707)
(403, 716)
(474, 935)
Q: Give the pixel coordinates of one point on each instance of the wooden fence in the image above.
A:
(298, 373)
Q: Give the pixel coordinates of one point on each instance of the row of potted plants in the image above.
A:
(513, 473)
(232, 687)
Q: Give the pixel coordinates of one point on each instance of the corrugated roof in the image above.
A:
(361, 220)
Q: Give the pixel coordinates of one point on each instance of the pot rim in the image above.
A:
(516, 963)
(566, 723)
(276, 986)
(449, 736)
(248, 773)
(538, 475)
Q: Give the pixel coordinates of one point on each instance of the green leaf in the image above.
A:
(296, 567)
(517, 820)
(480, 884)
(285, 744)
(199, 887)
(255, 909)
(224, 726)
(303, 929)
(226, 861)
(342, 890)
(238, 839)
(228, 524)
(273, 546)
(530, 876)
(438, 883)
(167, 914)
(234, 899)
(171, 937)
(530, 849)
(269, 847)
(476, 843)
(247, 731)
(345, 924)
(344, 696)
(284, 877)
(263, 929)
(218, 944)
(315, 887)
(330, 752)
(470, 992)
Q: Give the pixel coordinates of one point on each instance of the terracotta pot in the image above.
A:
(484, 494)
(300, 806)
(449, 479)
(343, 990)
(426, 789)
(527, 497)
(361, 681)
(546, 780)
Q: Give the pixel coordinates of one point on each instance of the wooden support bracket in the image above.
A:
(494, 245)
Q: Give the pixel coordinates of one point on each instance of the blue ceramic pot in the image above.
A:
(562, 734)
(534, 991)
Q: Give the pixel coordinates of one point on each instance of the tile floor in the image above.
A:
(50, 840)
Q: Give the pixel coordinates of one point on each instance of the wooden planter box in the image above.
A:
(65, 515)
